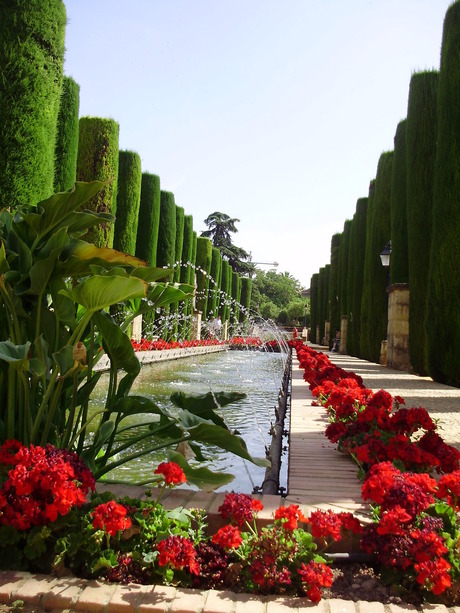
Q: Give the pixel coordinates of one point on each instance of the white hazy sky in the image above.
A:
(271, 111)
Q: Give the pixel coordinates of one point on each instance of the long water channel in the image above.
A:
(256, 373)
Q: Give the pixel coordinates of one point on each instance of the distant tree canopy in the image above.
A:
(278, 296)
(221, 226)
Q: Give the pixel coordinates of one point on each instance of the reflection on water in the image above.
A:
(258, 374)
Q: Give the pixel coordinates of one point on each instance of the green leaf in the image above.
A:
(4, 266)
(16, 355)
(117, 345)
(203, 405)
(65, 360)
(215, 435)
(202, 477)
(151, 274)
(100, 292)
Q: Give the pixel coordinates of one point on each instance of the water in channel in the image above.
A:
(256, 373)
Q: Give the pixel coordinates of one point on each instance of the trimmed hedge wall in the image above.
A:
(180, 215)
(245, 300)
(399, 269)
(32, 36)
(236, 295)
(374, 305)
(343, 268)
(149, 219)
(203, 269)
(66, 149)
(214, 283)
(421, 133)
(334, 285)
(98, 160)
(355, 275)
(366, 312)
(443, 313)
(166, 246)
(314, 287)
(128, 201)
(187, 250)
(226, 288)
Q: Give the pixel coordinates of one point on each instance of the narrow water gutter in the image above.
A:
(271, 483)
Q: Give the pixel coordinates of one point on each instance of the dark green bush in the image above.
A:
(334, 283)
(355, 275)
(66, 150)
(149, 219)
(314, 316)
(203, 270)
(128, 201)
(399, 270)
(166, 246)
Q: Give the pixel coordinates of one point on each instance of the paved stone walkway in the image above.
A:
(319, 477)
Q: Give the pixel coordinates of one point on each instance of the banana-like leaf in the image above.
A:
(4, 266)
(100, 292)
(202, 477)
(117, 345)
(16, 355)
(215, 435)
(151, 274)
(63, 306)
(203, 405)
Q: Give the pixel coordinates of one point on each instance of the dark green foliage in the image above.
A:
(355, 275)
(98, 160)
(399, 270)
(226, 288)
(314, 286)
(32, 36)
(149, 219)
(343, 268)
(236, 297)
(214, 283)
(323, 299)
(66, 150)
(179, 241)
(443, 313)
(420, 155)
(187, 250)
(374, 305)
(245, 299)
(203, 269)
(334, 284)
(128, 201)
(166, 246)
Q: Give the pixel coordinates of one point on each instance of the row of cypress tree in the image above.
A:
(46, 147)
(414, 201)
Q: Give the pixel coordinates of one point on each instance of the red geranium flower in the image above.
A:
(290, 516)
(172, 473)
(228, 537)
(110, 517)
(179, 553)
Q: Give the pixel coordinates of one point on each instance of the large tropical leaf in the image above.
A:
(117, 345)
(16, 355)
(100, 292)
(203, 405)
(202, 477)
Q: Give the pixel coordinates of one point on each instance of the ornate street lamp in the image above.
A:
(386, 254)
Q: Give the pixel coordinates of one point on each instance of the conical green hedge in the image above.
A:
(343, 268)
(166, 246)
(355, 275)
(187, 251)
(180, 213)
(245, 300)
(203, 269)
(443, 313)
(149, 219)
(314, 316)
(420, 155)
(32, 34)
(399, 270)
(334, 283)
(98, 160)
(214, 282)
(226, 288)
(128, 201)
(66, 149)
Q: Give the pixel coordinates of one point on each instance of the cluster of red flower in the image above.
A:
(416, 528)
(161, 345)
(366, 426)
(41, 483)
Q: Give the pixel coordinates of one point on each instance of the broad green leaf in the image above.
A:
(202, 477)
(65, 360)
(204, 404)
(4, 266)
(117, 345)
(164, 294)
(100, 292)
(39, 274)
(105, 256)
(16, 355)
(151, 274)
(63, 306)
(215, 435)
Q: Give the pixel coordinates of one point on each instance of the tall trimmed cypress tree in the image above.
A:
(203, 269)
(66, 149)
(128, 201)
(179, 241)
(214, 282)
(443, 313)
(226, 288)
(334, 284)
(245, 300)
(355, 279)
(420, 153)
(236, 296)
(374, 306)
(399, 270)
(149, 219)
(314, 315)
(166, 246)
(98, 160)
(343, 268)
(32, 36)
(187, 250)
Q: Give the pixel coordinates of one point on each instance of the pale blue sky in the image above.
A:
(272, 111)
